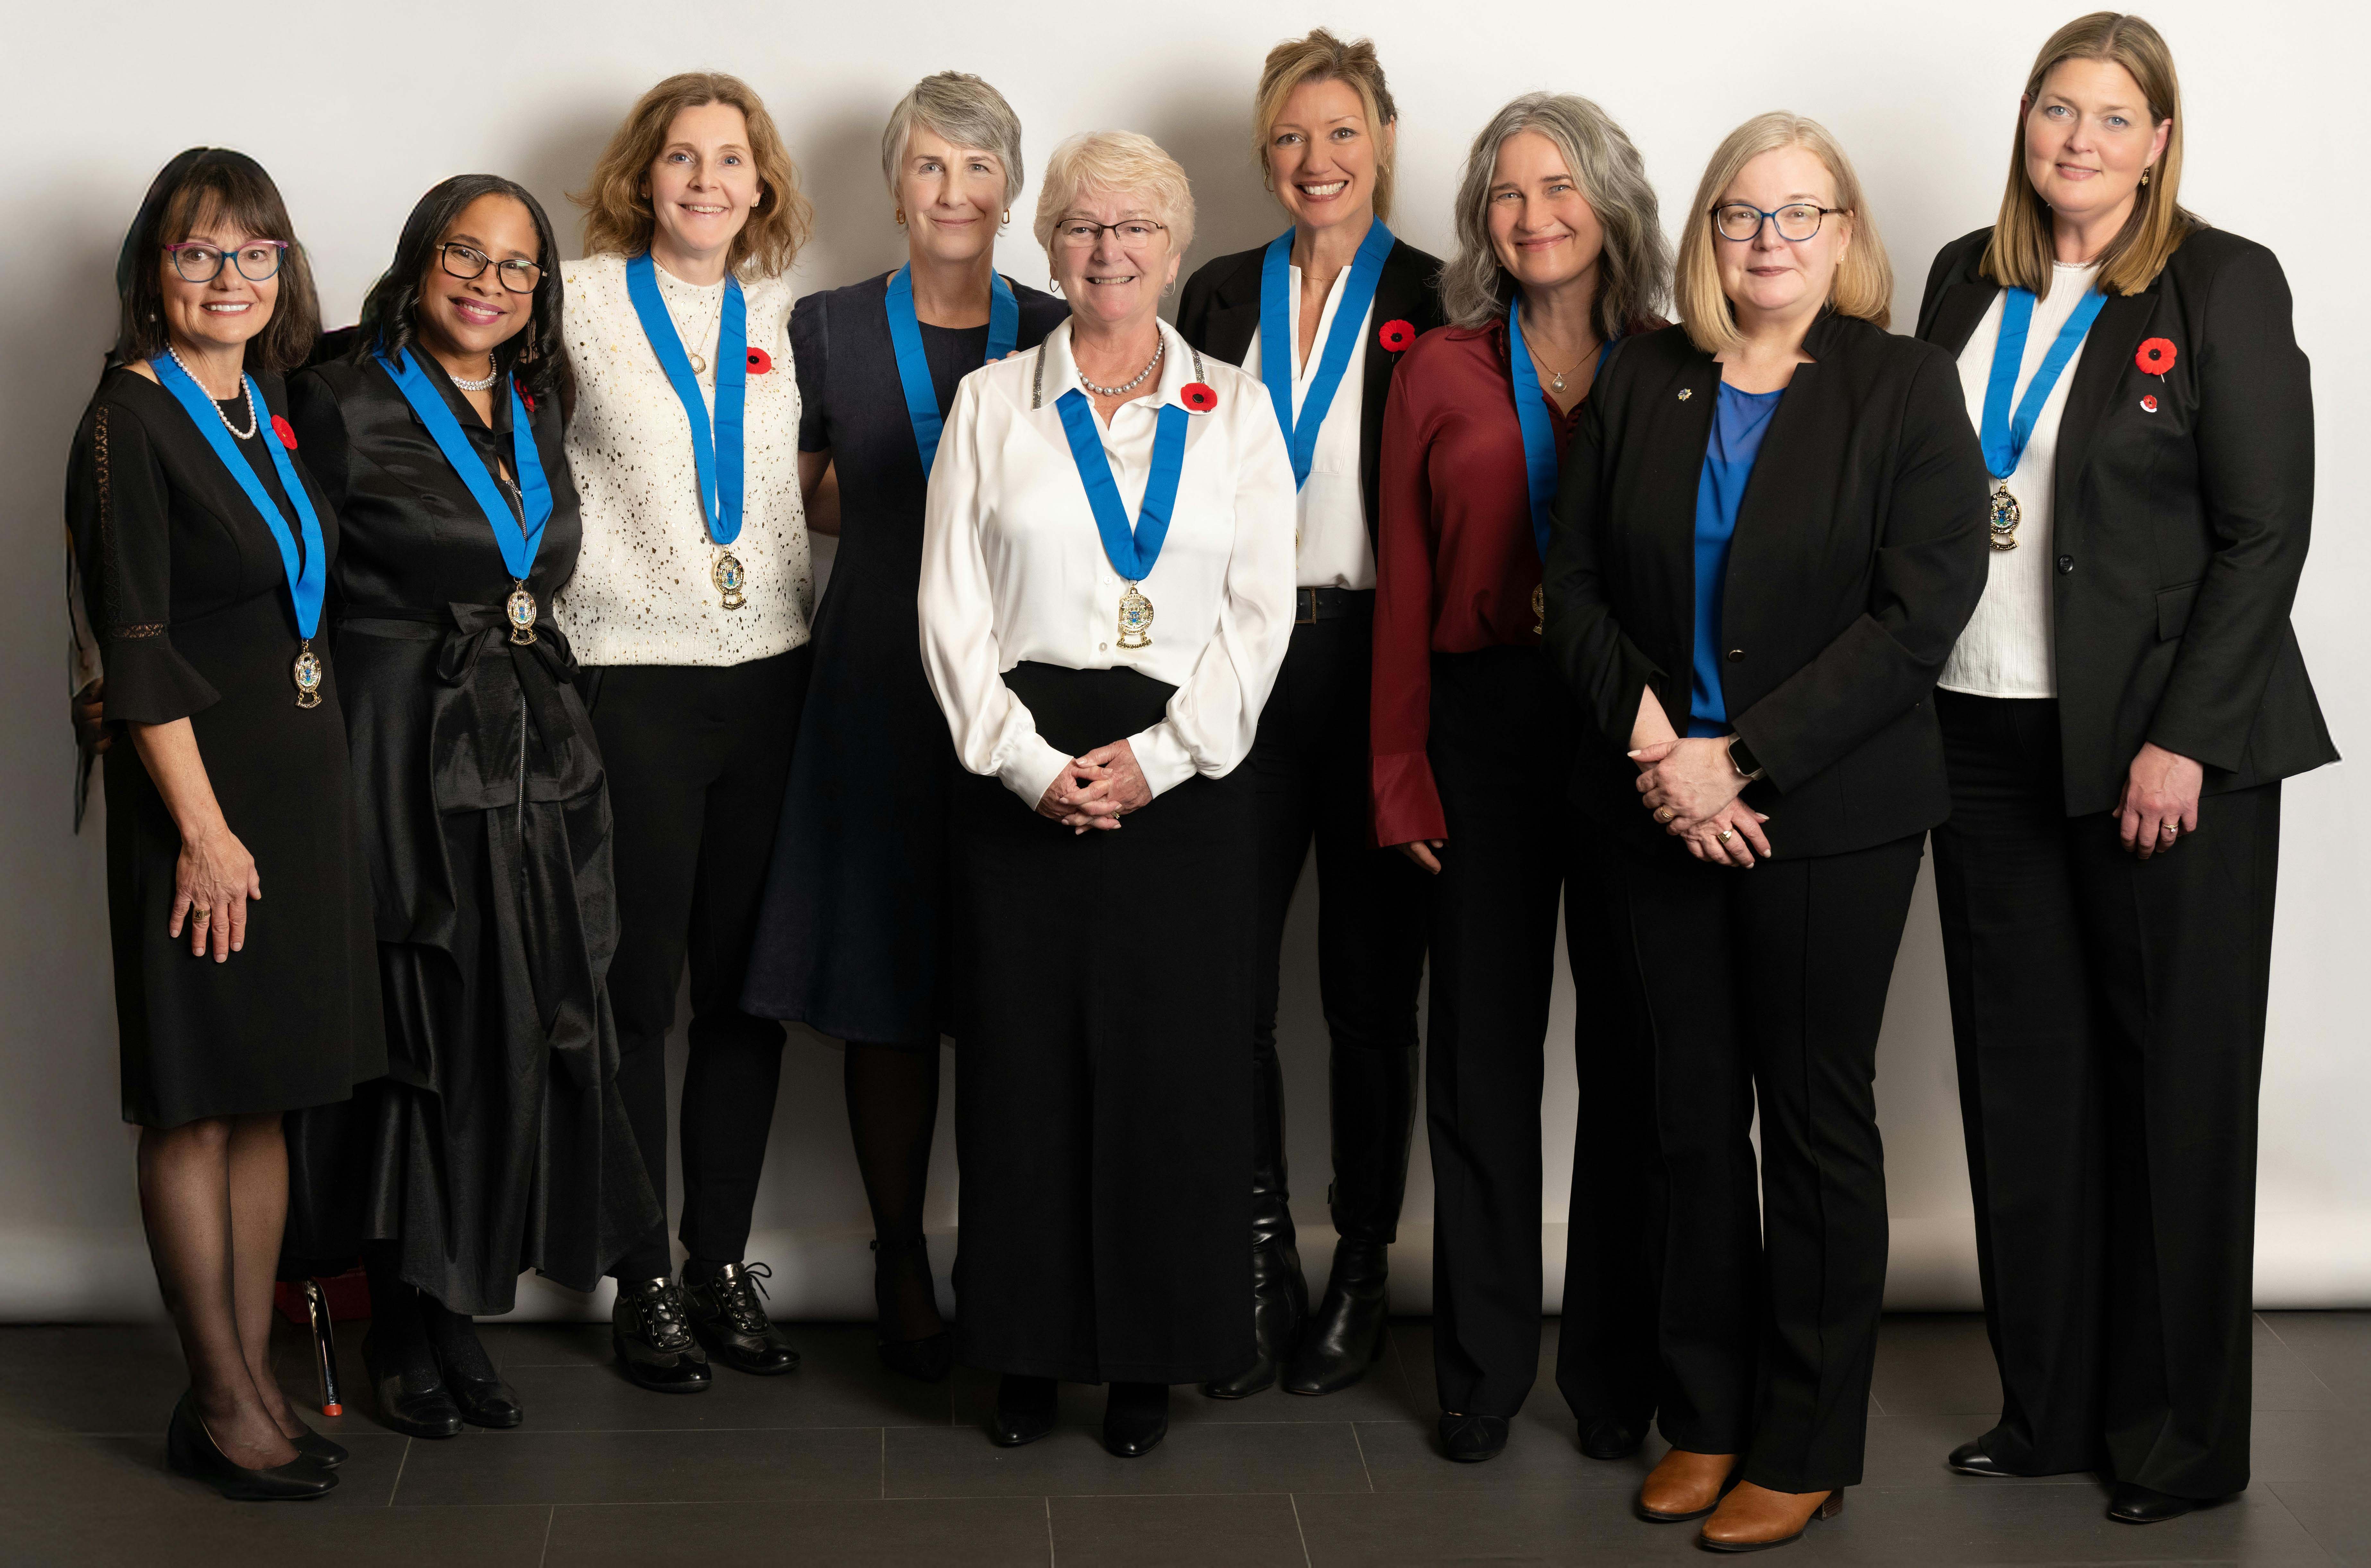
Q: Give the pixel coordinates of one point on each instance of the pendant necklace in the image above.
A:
(699, 360)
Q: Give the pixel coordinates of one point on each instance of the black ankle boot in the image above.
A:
(1374, 1105)
(1279, 1293)
(1135, 1418)
(1345, 1337)
(650, 1329)
(721, 1301)
(929, 1358)
(1024, 1410)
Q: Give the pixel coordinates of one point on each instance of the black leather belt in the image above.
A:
(1313, 604)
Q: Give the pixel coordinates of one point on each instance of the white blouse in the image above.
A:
(1331, 548)
(642, 593)
(1013, 568)
(2009, 648)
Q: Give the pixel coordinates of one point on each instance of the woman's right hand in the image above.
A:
(212, 880)
(1741, 825)
(1065, 800)
(1423, 853)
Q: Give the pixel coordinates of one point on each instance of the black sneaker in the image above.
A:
(726, 1316)
(651, 1330)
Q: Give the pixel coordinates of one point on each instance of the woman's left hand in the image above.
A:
(2161, 800)
(1686, 779)
(1124, 789)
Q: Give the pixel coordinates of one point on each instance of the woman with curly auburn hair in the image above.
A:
(689, 613)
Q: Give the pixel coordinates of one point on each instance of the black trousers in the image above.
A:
(1768, 985)
(1504, 733)
(696, 757)
(1311, 766)
(2110, 1017)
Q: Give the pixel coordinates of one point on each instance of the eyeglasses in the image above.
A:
(462, 261)
(1078, 234)
(1742, 221)
(258, 260)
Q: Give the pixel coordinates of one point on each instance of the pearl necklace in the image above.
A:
(247, 391)
(1160, 347)
(493, 374)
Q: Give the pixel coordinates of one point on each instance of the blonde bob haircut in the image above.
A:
(1863, 285)
(958, 107)
(2021, 253)
(1118, 163)
(618, 215)
(1322, 57)
(1634, 270)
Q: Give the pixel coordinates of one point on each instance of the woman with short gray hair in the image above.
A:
(854, 925)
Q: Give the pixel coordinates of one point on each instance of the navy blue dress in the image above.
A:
(852, 938)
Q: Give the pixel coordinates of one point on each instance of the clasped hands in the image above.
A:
(1692, 787)
(1097, 790)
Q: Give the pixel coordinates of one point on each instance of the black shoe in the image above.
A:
(1279, 1293)
(486, 1402)
(412, 1397)
(1024, 1410)
(483, 1398)
(190, 1451)
(1372, 1099)
(2133, 1504)
(1470, 1439)
(930, 1358)
(1135, 1418)
(1345, 1337)
(726, 1316)
(1610, 1438)
(318, 1448)
(1970, 1459)
(650, 1331)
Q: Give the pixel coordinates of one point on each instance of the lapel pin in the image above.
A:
(1686, 393)
(2148, 404)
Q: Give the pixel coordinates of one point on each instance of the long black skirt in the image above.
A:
(1103, 1093)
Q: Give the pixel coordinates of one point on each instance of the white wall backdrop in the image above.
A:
(357, 108)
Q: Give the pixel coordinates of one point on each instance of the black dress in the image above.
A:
(192, 605)
(498, 1142)
(854, 928)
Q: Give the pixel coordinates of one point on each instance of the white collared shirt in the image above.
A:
(1333, 547)
(1013, 568)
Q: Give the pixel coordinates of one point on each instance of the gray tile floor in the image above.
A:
(844, 1464)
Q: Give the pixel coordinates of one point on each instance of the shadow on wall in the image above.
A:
(1208, 130)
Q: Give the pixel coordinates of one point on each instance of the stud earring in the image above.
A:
(2145, 174)
(901, 217)
(1007, 216)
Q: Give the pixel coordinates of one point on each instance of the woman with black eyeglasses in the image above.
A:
(498, 1141)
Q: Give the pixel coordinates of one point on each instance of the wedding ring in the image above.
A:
(1727, 833)
(2167, 829)
(205, 914)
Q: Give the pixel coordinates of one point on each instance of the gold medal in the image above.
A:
(520, 609)
(1540, 610)
(2006, 515)
(307, 672)
(1135, 618)
(727, 576)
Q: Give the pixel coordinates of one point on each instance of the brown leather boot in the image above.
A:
(1683, 1486)
(1754, 1518)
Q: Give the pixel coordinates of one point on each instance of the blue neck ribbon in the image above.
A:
(1131, 550)
(2004, 437)
(309, 572)
(914, 367)
(1542, 460)
(715, 443)
(1276, 345)
(520, 538)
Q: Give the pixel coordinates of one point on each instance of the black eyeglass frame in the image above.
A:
(1762, 218)
(223, 259)
(501, 268)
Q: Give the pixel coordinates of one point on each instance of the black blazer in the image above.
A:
(1858, 555)
(1219, 311)
(2180, 531)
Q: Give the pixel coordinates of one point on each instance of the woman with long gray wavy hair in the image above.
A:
(1560, 256)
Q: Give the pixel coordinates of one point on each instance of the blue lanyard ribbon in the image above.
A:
(1133, 550)
(519, 539)
(718, 455)
(1276, 345)
(2004, 437)
(307, 573)
(914, 367)
(1543, 459)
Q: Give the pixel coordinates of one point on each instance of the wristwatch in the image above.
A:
(1741, 757)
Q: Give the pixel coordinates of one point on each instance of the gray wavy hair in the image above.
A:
(1633, 273)
(963, 109)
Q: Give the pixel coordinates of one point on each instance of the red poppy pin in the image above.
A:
(2156, 355)
(2148, 404)
(1396, 336)
(760, 361)
(287, 436)
(525, 397)
(1197, 397)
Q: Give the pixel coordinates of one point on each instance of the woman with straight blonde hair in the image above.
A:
(2117, 719)
(1769, 533)
(689, 613)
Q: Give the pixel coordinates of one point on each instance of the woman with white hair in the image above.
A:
(854, 932)
(1106, 594)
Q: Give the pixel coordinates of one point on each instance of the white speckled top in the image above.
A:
(642, 593)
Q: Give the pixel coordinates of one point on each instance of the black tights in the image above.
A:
(893, 1109)
(412, 1331)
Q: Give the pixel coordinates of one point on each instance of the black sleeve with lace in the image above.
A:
(118, 505)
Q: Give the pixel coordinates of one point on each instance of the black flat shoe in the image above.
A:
(1135, 1418)
(1970, 1459)
(486, 1402)
(469, 1375)
(1470, 1439)
(190, 1451)
(1610, 1438)
(1345, 1337)
(929, 1358)
(319, 1449)
(729, 1321)
(650, 1331)
(413, 1402)
(2134, 1504)
(1024, 1410)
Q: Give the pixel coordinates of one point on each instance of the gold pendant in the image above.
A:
(2006, 515)
(1540, 610)
(307, 674)
(727, 576)
(520, 608)
(699, 365)
(1135, 618)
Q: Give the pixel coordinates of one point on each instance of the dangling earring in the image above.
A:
(901, 217)
(2145, 174)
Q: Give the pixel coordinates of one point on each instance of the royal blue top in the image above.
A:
(1739, 419)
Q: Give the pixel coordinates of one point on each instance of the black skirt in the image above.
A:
(1103, 1099)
